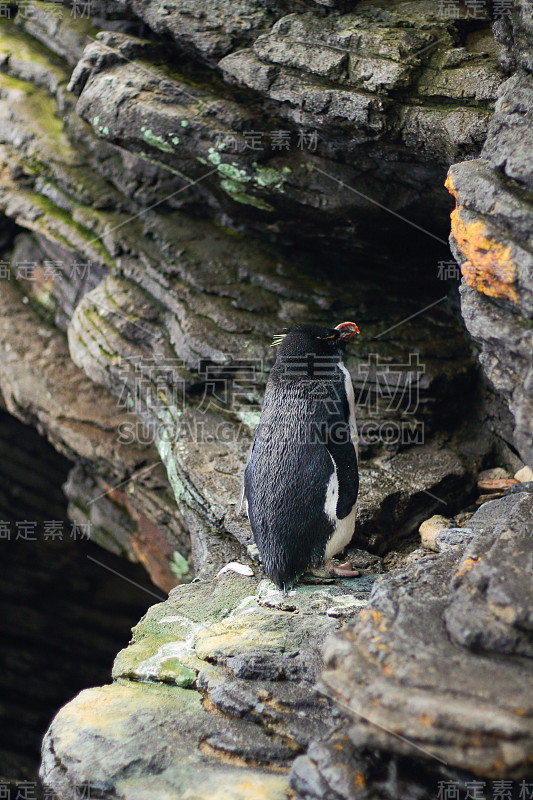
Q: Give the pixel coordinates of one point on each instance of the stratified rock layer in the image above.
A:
(176, 188)
(420, 673)
(492, 235)
(333, 116)
(173, 314)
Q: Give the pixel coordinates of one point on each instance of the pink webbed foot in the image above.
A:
(345, 571)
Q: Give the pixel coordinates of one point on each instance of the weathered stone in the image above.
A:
(494, 474)
(452, 537)
(52, 275)
(515, 33)
(491, 602)
(271, 646)
(397, 494)
(430, 528)
(210, 31)
(25, 59)
(138, 520)
(426, 697)
(362, 57)
(526, 486)
(505, 353)
(171, 723)
(495, 484)
(491, 234)
(524, 475)
(63, 32)
(42, 386)
(510, 140)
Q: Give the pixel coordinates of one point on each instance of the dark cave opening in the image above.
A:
(57, 591)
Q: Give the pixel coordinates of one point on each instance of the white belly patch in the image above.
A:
(344, 528)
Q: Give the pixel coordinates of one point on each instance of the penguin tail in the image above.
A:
(282, 579)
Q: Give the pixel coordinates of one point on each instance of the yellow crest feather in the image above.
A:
(278, 338)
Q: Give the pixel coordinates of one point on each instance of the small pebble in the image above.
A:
(524, 475)
(430, 528)
(453, 537)
(494, 474)
(484, 498)
(361, 559)
(495, 484)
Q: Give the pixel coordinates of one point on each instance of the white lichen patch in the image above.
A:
(346, 604)
(248, 605)
(151, 668)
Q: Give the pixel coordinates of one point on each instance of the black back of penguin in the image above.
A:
(302, 438)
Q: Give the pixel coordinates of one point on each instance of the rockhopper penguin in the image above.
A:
(301, 481)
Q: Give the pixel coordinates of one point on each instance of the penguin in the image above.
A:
(302, 479)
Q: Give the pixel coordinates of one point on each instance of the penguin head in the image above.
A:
(303, 340)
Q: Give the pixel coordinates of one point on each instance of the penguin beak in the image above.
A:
(347, 330)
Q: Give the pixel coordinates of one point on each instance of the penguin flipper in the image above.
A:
(344, 457)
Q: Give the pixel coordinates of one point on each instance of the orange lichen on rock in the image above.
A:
(488, 267)
(359, 780)
(468, 564)
(379, 621)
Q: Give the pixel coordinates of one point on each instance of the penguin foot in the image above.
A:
(329, 573)
(345, 571)
(316, 576)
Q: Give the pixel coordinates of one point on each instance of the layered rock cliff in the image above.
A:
(491, 233)
(177, 184)
(170, 210)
